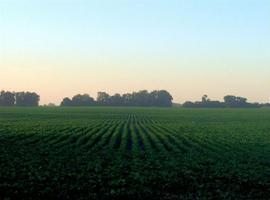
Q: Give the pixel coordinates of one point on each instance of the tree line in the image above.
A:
(19, 98)
(230, 101)
(157, 98)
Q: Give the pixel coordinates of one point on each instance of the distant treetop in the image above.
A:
(158, 98)
(144, 98)
(230, 101)
(19, 99)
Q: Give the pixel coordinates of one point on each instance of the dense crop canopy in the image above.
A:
(134, 153)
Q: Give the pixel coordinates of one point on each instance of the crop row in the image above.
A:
(133, 134)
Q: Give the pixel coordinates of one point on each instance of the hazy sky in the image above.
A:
(190, 47)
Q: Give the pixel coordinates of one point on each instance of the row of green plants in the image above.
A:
(118, 153)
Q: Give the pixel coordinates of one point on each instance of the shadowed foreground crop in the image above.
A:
(134, 153)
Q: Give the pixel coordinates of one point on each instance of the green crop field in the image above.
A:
(134, 153)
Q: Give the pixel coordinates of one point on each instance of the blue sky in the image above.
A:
(59, 48)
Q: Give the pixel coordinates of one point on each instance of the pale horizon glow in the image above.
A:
(61, 48)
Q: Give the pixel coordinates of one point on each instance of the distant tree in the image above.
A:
(141, 98)
(205, 103)
(103, 98)
(230, 101)
(82, 100)
(127, 99)
(66, 102)
(213, 104)
(7, 98)
(78, 100)
(205, 98)
(116, 100)
(27, 99)
(234, 101)
(161, 98)
(188, 104)
(239, 102)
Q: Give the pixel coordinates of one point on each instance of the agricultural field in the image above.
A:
(134, 153)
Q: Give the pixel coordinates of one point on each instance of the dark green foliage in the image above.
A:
(116, 100)
(7, 98)
(103, 98)
(229, 102)
(82, 100)
(134, 153)
(208, 104)
(78, 100)
(156, 98)
(66, 102)
(26, 99)
(238, 102)
(19, 99)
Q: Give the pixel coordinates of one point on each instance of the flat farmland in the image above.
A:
(134, 153)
